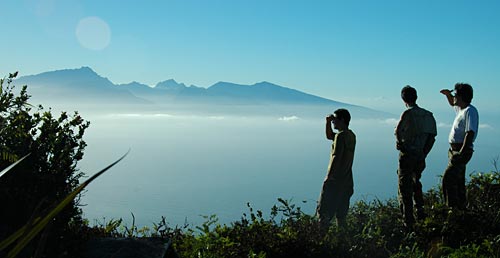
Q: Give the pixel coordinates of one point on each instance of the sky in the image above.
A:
(360, 52)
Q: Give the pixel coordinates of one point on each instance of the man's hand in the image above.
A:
(329, 132)
(446, 92)
(448, 95)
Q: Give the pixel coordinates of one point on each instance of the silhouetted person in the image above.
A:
(338, 186)
(415, 136)
(462, 136)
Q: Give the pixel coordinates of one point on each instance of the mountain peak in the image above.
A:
(222, 84)
(85, 68)
(170, 84)
(134, 84)
(69, 77)
(267, 84)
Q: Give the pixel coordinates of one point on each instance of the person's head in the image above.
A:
(464, 91)
(341, 118)
(409, 94)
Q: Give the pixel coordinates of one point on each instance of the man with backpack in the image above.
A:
(415, 136)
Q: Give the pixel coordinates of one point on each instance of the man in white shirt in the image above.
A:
(461, 139)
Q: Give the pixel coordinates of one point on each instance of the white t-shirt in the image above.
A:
(467, 119)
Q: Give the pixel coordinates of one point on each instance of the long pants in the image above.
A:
(333, 202)
(454, 178)
(409, 186)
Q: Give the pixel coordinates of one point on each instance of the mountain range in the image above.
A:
(83, 86)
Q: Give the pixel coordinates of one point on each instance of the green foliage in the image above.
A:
(374, 229)
(486, 249)
(48, 174)
(116, 228)
(32, 228)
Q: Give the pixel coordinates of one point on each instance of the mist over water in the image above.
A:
(185, 166)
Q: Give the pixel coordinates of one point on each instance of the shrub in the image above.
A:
(374, 229)
(49, 173)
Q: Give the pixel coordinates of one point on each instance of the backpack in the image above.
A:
(419, 125)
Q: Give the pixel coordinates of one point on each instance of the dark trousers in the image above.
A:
(333, 202)
(454, 178)
(409, 186)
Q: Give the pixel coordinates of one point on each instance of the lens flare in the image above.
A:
(93, 33)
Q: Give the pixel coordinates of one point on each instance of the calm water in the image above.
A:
(186, 166)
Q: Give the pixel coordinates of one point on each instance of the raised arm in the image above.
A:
(448, 95)
(330, 135)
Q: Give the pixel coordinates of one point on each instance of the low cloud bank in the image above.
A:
(288, 118)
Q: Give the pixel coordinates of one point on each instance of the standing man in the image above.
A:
(462, 136)
(338, 186)
(415, 136)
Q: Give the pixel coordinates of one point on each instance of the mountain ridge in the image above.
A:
(84, 85)
(86, 79)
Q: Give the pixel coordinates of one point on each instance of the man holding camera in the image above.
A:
(338, 185)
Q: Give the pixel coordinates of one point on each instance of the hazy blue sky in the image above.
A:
(361, 52)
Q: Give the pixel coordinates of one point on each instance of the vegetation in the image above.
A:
(374, 229)
(48, 174)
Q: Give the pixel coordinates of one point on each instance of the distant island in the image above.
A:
(83, 88)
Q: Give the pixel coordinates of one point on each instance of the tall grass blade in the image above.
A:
(37, 227)
(13, 237)
(13, 165)
(22, 231)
